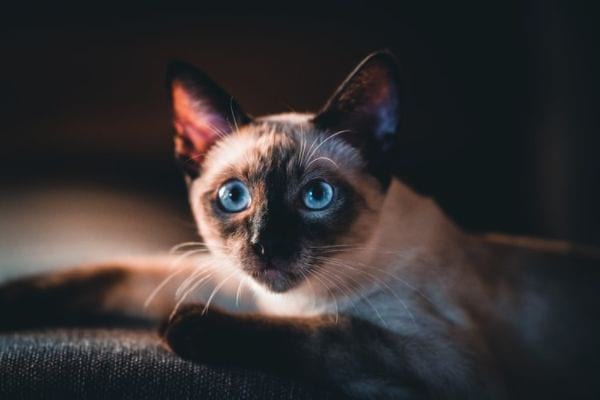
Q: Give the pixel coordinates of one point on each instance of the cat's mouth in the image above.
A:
(275, 278)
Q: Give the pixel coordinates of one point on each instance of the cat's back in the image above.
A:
(549, 268)
(544, 321)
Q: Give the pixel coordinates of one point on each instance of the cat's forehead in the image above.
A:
(290, 144)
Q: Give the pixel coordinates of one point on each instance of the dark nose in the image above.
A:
(268, 249)
(259, 249)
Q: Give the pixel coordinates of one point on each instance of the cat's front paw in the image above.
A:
(196, 335)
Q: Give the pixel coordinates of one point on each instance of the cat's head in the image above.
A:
(282, 197)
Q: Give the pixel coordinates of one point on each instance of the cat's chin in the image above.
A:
(275, 280)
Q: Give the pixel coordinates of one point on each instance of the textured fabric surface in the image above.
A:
(123, 364)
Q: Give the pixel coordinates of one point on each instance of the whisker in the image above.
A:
(375, 310)
(385, 286)
(322, 158)
(188, 281)
(331, 295)
(346, 291)
(313, 152)
(216, 290)
(312, 145)
(352, 291)
(163, 284)
(185, 255)
(179, 246)
(239, 291)
(237, 128)
(335, 246)
(301, 158)
(178, 269)
(178, 304)
(310, 286)
(383, 271)
(220, 133)
(197, 246)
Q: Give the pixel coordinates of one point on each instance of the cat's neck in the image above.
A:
(411, 222)
(413, 238)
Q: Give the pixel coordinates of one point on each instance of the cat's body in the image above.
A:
(357, 282)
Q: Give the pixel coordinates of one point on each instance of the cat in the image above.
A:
(359, 283)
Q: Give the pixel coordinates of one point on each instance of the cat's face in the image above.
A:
(279, 197)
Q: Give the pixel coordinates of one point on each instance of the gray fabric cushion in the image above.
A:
(123, 364)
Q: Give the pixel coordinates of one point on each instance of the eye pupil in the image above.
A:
(234, 194)
(317, 193)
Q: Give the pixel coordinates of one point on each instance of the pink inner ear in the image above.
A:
(198, 126)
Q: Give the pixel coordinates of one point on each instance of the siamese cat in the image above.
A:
(358, 282)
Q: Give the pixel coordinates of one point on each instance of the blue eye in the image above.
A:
(234, 196)
(318, 195)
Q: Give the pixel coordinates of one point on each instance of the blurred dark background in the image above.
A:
(500, 125)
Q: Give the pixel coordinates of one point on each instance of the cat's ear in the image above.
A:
(366, 106)
(202, 114)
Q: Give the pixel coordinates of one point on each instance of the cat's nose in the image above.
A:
(268, 249)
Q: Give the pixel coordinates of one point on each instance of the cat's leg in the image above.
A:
(352, 356)
(88, 295)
